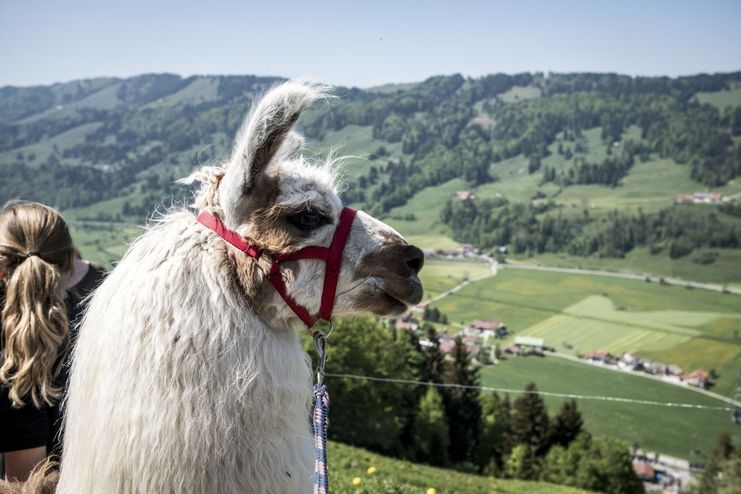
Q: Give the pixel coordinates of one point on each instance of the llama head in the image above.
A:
(274, 198)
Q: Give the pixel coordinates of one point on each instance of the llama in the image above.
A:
(188, 375)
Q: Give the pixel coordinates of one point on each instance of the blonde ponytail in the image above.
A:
(35, 251)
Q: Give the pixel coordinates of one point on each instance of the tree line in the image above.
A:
(544, 227)
(458, 426)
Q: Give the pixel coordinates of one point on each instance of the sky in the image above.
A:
(364, 43)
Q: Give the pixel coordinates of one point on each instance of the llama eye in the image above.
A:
(308, 220)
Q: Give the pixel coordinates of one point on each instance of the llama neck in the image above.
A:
(220, 396)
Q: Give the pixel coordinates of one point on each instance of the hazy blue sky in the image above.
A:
(363, 43)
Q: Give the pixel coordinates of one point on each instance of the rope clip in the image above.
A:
(319, 335)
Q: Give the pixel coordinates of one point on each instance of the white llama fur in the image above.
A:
(181, 381)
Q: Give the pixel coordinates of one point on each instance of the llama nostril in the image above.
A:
(415, 260)
(414, 264)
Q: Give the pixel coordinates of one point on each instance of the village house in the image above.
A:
(600, 356)
(698, 377)
(675, 370)
(654, 368)
(700, 198)
(511, 350)
(406, 325)
(644, 471)
(472, 346)
(630, 361)
(530, 345)
(447, 344)
(465, 195)
(486, 329)
(468, 250)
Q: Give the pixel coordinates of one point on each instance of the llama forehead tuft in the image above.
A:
(301, 183)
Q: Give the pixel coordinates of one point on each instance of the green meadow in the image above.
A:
(347, 463)
(426, 230)
(669, 430)
(721, 99)
(357, 143)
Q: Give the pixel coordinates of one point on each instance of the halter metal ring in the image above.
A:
(317, 329)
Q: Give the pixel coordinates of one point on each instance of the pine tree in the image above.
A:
(566, 425)
(530, 421)
(521, 463)
(493, 447)
(462, 405)
(607, 467)
(431, 430)
(413, 361)
(722, 451)
(433, 364)
(503, 416)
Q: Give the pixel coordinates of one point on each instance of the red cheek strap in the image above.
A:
(332, 255)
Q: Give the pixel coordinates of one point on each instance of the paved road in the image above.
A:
(629, 276)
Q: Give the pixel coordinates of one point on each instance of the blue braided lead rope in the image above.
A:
(321, 421)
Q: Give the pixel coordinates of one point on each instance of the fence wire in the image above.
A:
(542, 393)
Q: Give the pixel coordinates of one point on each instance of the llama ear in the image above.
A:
(265, 134)
(292, 144)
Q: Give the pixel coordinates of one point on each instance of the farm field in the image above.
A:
(663, 429)
(103, 244)
(721, 99)
(391, 475)
(578, 313)
(440, 275)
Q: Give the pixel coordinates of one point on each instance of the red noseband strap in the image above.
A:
(332, 255)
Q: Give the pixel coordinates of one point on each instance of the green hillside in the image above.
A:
(576, 146)
(402, 477)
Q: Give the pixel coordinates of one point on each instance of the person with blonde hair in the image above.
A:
(43, 283)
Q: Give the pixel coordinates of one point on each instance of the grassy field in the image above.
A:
(440, 275)
(520, 93)
(578, 313)
(553, 292)
(426, 230)
(721, 99)
(664, 429)
(356, 141)
(402, 477)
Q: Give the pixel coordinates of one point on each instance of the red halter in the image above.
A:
(332, 255)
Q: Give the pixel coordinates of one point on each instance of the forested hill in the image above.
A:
(533, 141)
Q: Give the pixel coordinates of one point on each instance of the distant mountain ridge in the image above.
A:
(17, 102)
(111, 148)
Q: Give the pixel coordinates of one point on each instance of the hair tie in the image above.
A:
(33, 253)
